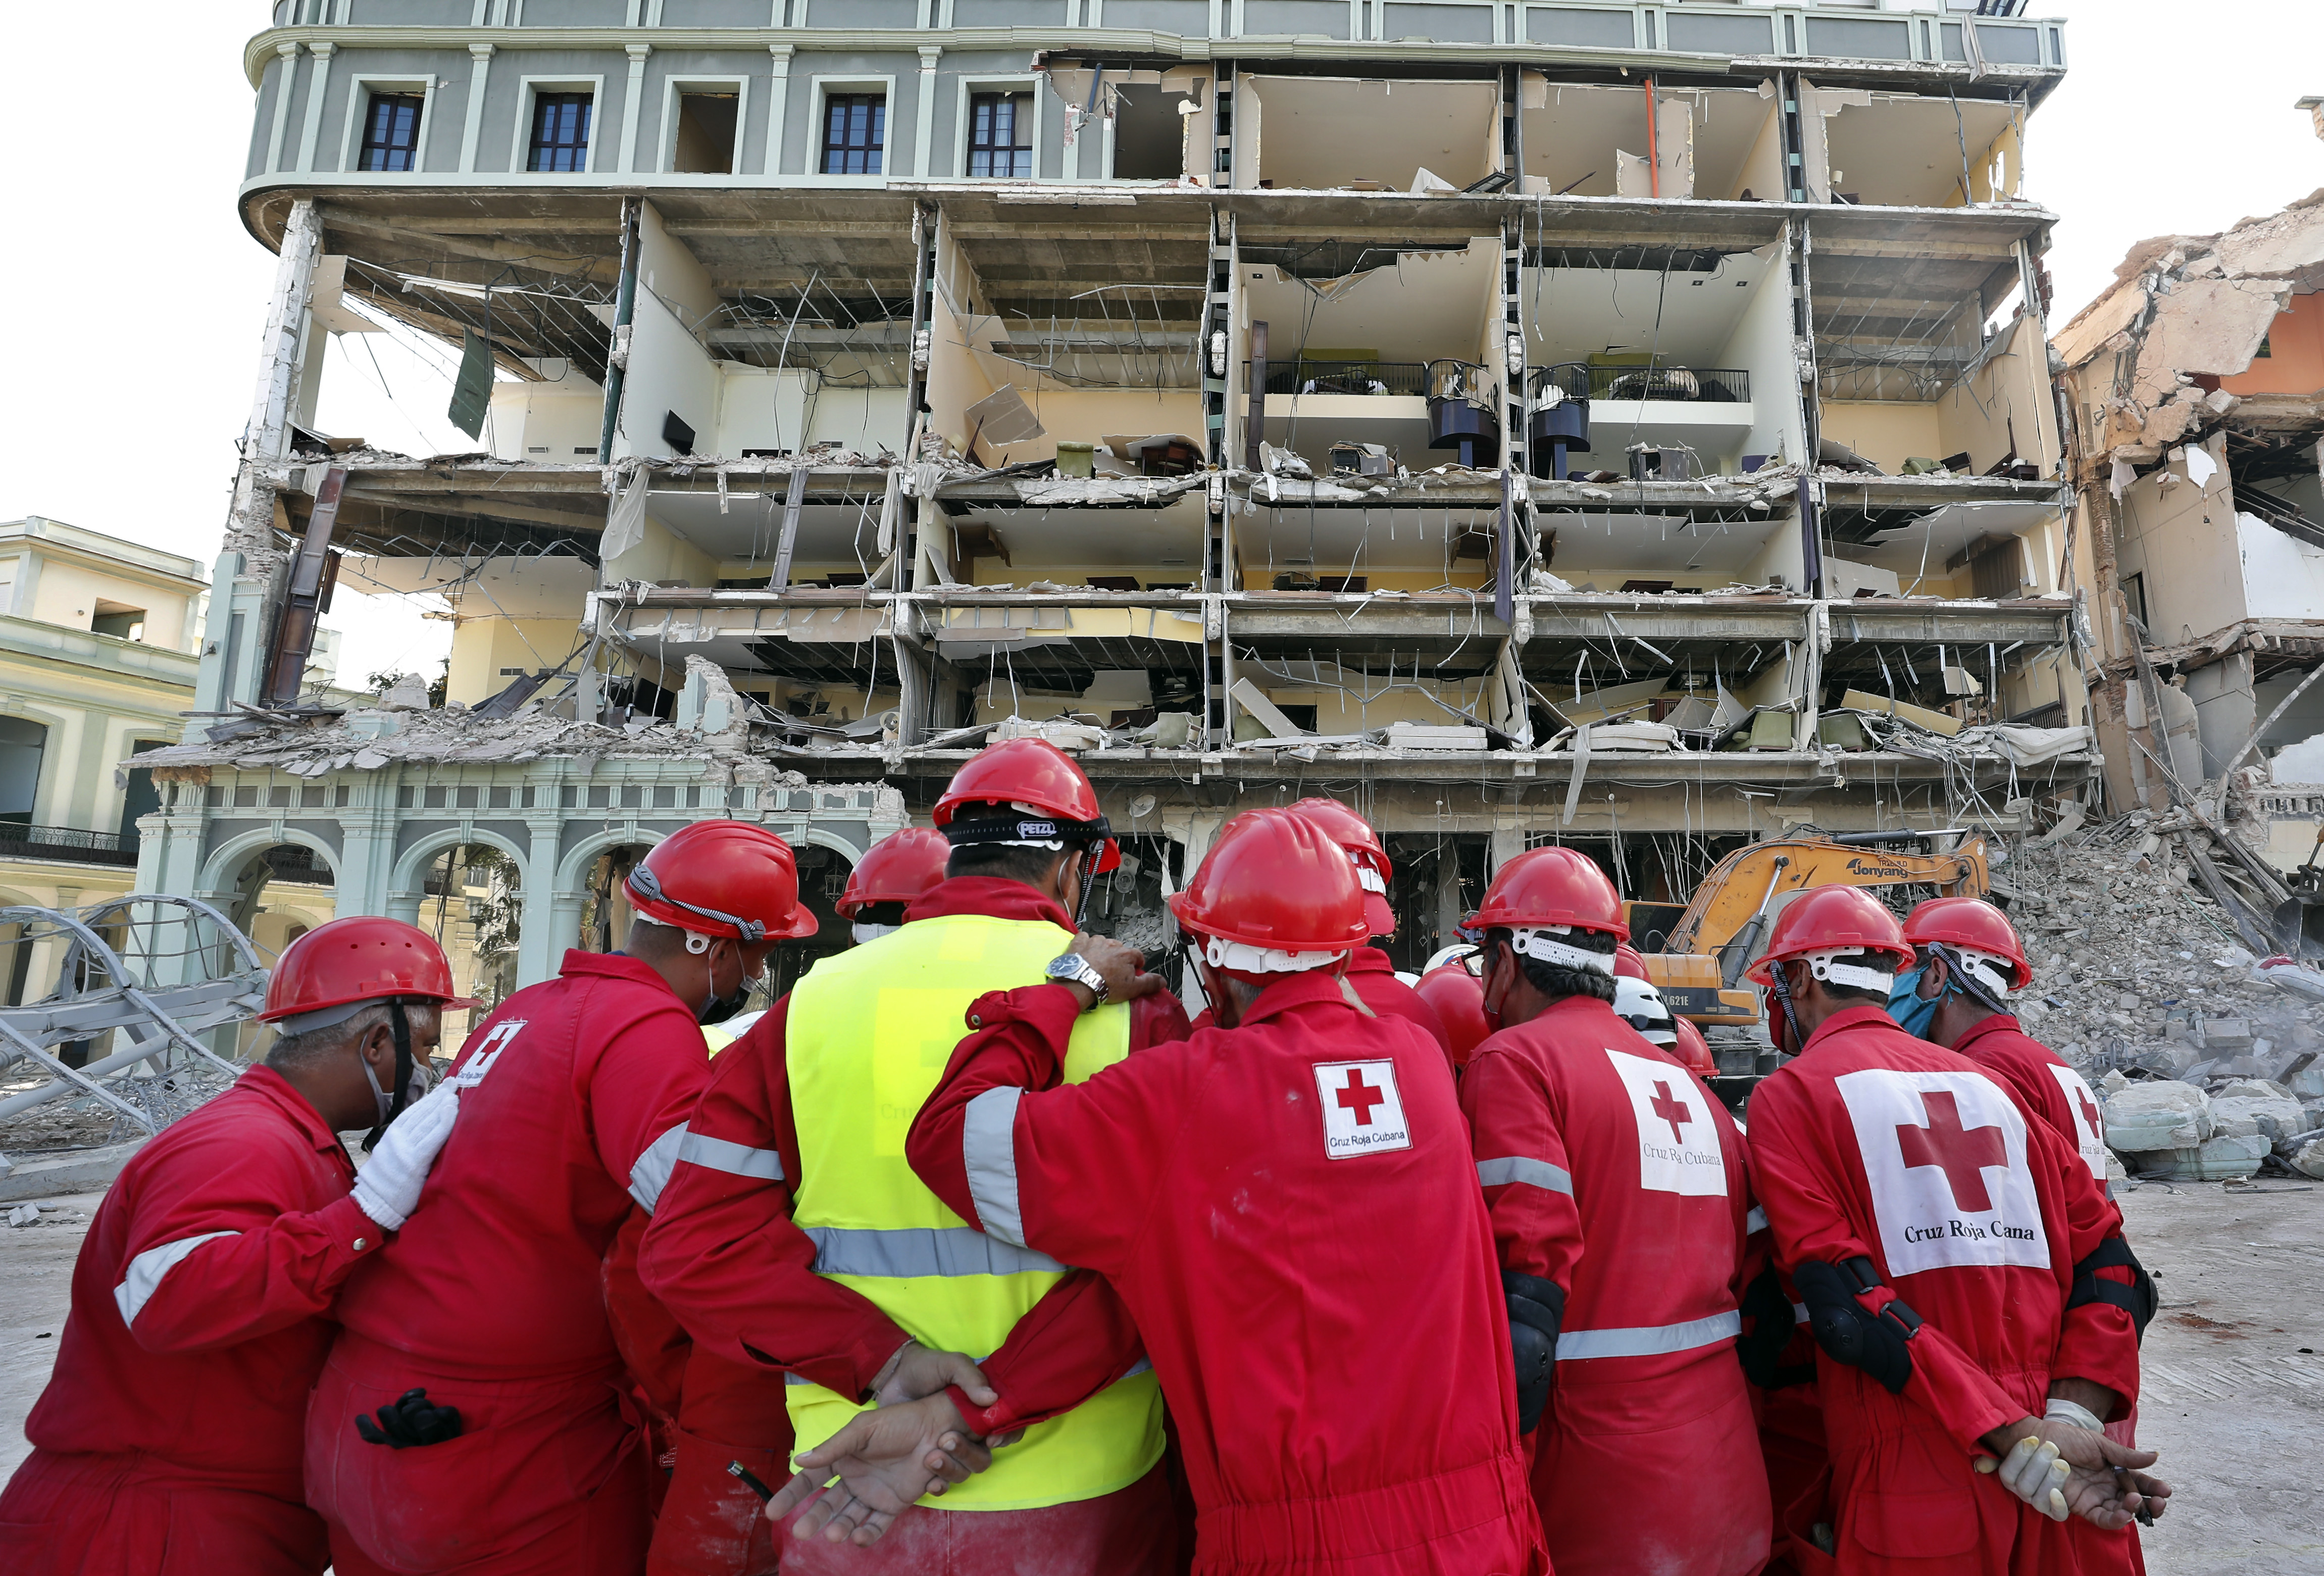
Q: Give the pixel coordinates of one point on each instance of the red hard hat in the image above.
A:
(1550, 886)
(1355, 834)
(898, 867)
(1273, 879)
(1693, 1051)
(1627, 964)
(1459, 998)
(361, 958)
(722, 878)
(1974, 924)
(1833, 918)
(1036, 774)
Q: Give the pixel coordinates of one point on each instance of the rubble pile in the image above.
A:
(2210, 1060)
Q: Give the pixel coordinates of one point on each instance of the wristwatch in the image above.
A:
(1073, 969)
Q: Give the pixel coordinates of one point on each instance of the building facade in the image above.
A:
(1623, 424)
(2196, 386)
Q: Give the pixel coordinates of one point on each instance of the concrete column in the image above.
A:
(289, 82)
(480, 68)
(779, 87)
(267, 435)
(317, 87)
(633, 103)
(924, 132)
(537, 949)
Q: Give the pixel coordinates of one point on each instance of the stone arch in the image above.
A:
(227, 860)
(410, 864)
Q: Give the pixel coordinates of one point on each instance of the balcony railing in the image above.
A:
(1577, 380)
(68, 843)
(1344, 377)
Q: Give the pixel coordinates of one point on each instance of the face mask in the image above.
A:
(1912, 1012)
(386, 1101)
(863, 930)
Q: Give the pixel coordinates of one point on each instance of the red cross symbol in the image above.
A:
(2090, 1112)
(1673, 1111)
(1962, 1154)
(1359, 1097)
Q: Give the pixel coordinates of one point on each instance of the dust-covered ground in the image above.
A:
(2234, 1381)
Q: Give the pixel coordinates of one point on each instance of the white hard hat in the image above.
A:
(1638, 1004)
(1444, 955)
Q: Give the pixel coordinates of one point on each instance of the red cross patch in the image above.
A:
(1678, 1143)
(1362, 1112)
(2089, 1119)
(1945, 1155)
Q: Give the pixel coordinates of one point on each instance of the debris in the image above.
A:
(24, 1215)
(2147, 1117)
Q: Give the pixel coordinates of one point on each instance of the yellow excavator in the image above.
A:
(1696, 954)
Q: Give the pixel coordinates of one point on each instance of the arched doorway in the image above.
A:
(470, 901)
(278, 894)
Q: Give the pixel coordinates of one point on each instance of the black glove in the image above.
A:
(1876, 1343)
(1772, 1324)
(409, 1420)
(1536, 1308)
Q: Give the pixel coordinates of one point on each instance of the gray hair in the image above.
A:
(308, 1048)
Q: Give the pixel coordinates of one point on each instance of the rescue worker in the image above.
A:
(1281, 1201)
(506, 1440)
(893, 874)
(167, 1441)
(1932, 1234)
(825, 1254)
(1370, 969)
(1617, 1190)
(1968, 961)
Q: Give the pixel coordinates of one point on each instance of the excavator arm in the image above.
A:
(1701, 969)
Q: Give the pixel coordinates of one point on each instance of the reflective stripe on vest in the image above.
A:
(868, 1034)
(1648, 1339)
(1521, 1168)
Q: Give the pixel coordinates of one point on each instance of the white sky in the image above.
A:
(2173, 119)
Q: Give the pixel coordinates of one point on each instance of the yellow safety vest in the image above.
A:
(868, 1035)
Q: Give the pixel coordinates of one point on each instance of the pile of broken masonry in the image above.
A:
(2210, 1060)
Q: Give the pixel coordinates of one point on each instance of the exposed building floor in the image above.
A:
(2232, 1401)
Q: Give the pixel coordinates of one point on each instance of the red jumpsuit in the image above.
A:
(1609, 1170)
(2049, 1090)
(724, 1255)
(1290, 1212)
(1873, 1143)
(167, 1442)
(574, 1112)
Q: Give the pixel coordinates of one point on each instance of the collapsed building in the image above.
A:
(2196, 383)
(1611, 423)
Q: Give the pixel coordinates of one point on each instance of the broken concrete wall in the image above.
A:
(2181, 541)
(2184, 307)
(2004, 408)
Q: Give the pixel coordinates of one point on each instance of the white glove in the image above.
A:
(387, 1187)
(2035, 1473)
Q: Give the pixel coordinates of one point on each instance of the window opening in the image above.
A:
(854, 132)
(392, 132)
(560, 133)
(1001, 136)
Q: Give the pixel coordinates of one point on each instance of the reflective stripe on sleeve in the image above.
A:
(145, 1271)
(650, 1175)
(1647, 1341)
(1756, 1220)
(988, 1148)
(905, 1255)
(733, 1159)
(1517, 1168)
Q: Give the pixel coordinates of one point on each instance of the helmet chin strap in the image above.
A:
(1959, 976)
(1781, 987)
(391, 1107)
